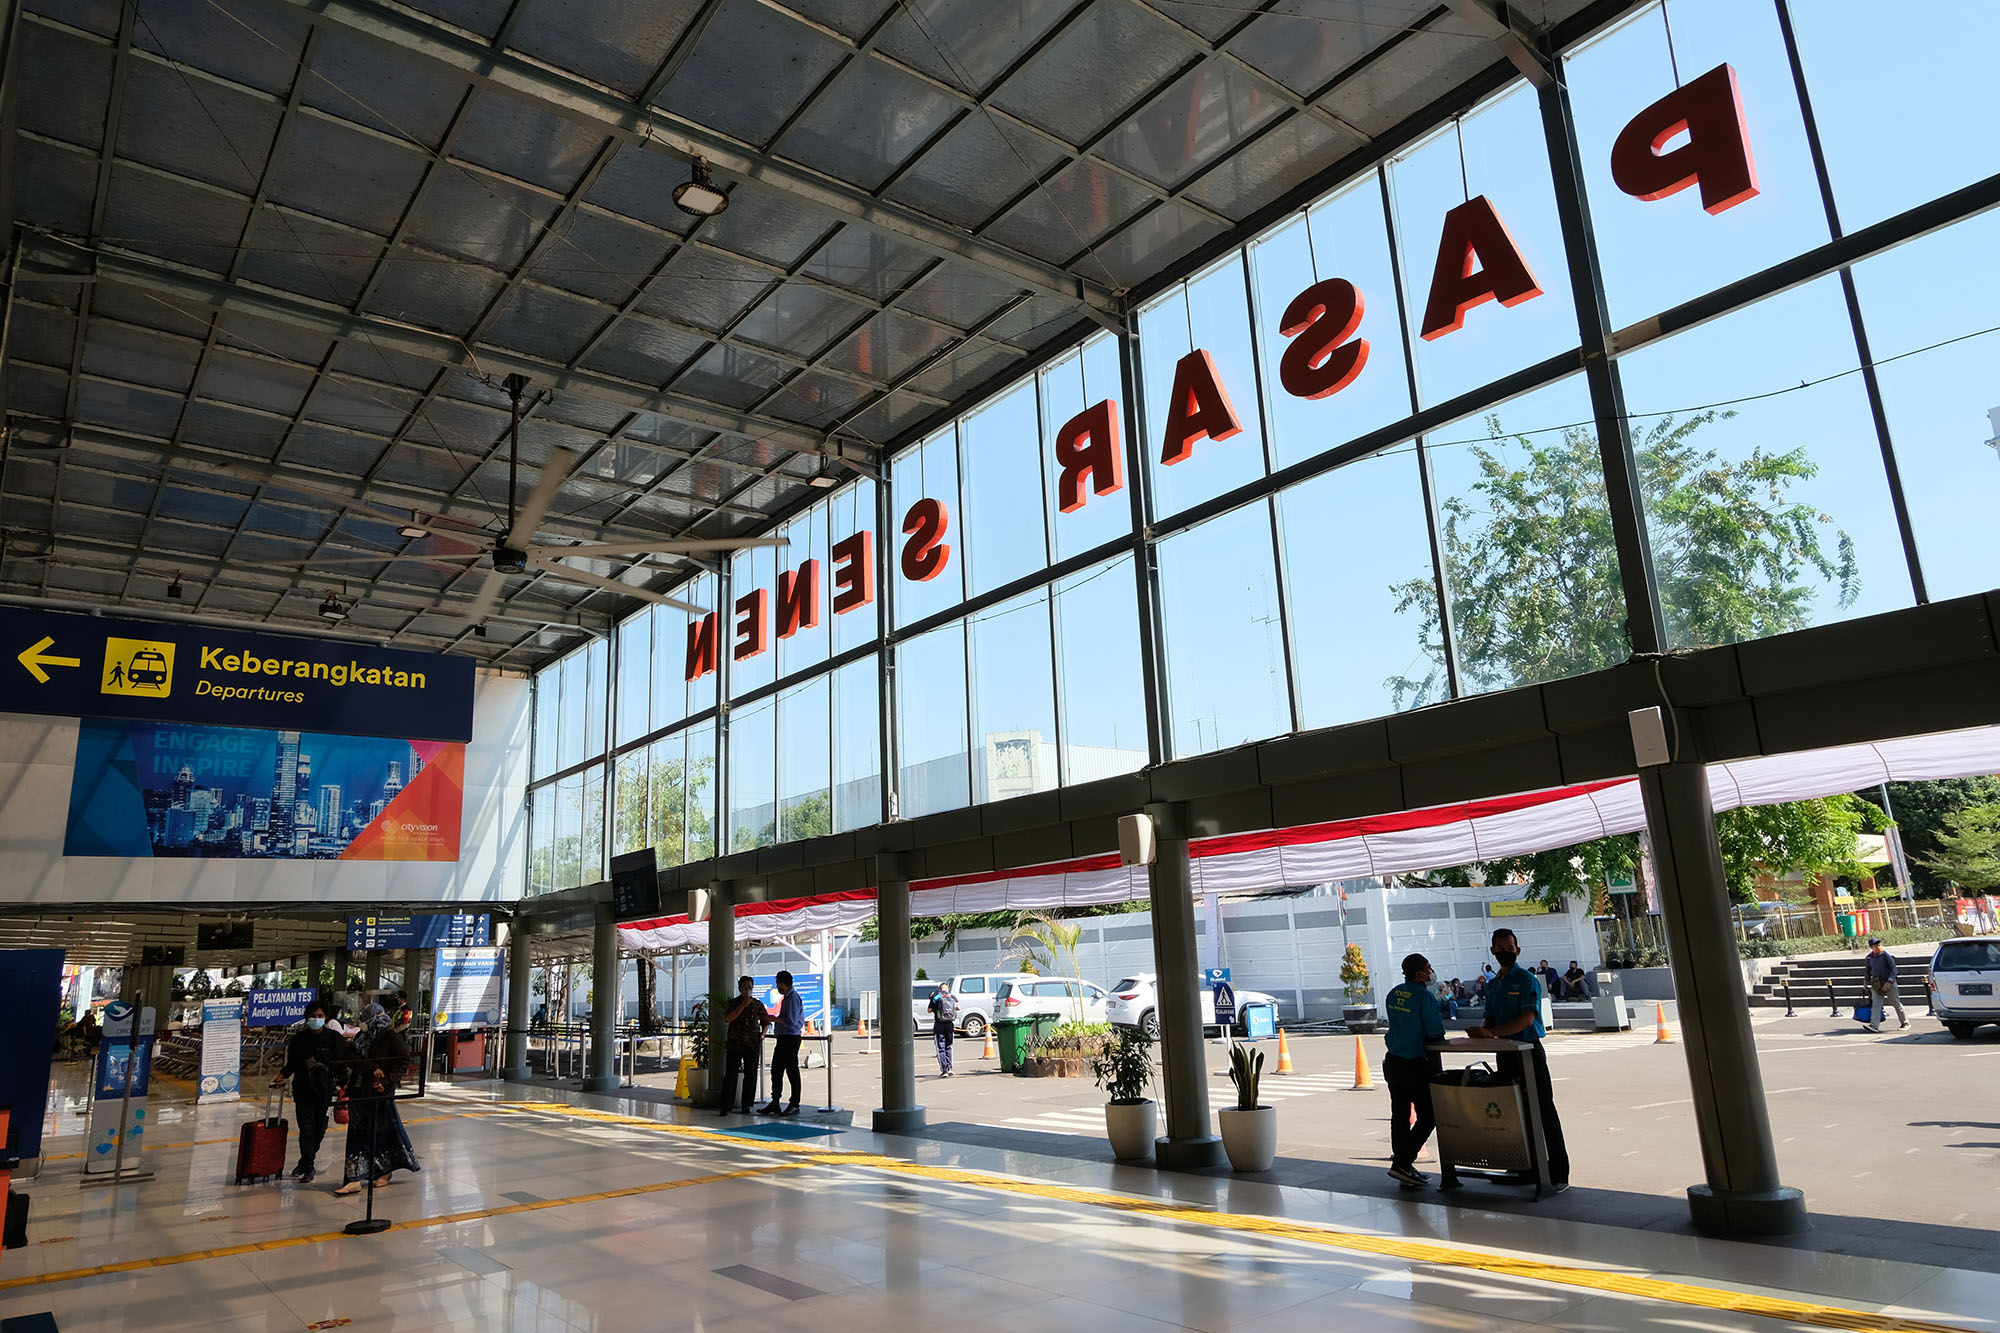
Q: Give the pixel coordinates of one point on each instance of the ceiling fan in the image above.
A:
(515, 550)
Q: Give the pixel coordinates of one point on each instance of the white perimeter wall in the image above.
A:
(37, 756)
(1288, 947)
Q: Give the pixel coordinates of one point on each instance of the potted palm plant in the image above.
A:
(1249, 1131)
(1123, 1069)
(697, 1050)
(1359, 1011)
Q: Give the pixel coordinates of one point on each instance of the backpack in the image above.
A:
(945, 1005)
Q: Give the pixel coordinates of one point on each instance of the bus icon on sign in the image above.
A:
(137, 666)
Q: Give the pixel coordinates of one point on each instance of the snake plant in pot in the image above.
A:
(1249, 1131)
(1123, 1069)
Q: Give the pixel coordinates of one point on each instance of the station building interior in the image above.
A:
(569, 503)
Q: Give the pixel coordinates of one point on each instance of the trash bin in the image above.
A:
(466, 1051)
(1846, 922)
(1012, 1034)
(1045, 1027)
(1259, 1020)
(1607, 1007)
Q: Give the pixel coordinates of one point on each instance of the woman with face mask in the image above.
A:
(377, 1143)
(315, 1058)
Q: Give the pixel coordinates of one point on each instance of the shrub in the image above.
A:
(1125, 1067)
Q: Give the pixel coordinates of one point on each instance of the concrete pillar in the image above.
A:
(315, 970)
(520, 994)
(604, 976)
(371, 971)
(899, 1112)
(721, 981)
(1188, 1144)
(343, 965)
(1743, 1196)
(411, 961)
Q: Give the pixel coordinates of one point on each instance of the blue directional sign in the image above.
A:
(419, 930)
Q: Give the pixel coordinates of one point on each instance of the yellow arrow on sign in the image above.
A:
(34, 659)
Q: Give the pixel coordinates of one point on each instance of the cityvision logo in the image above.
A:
(407, 827)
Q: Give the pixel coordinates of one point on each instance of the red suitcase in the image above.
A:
(260, 1148)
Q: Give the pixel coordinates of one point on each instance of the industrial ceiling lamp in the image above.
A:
(700, 195)
(332, 608)
(822, 481)
(174, 591)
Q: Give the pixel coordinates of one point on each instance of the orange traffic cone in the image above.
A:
(991, 1052)
(1362, 1078)
(1660, 1020)
(863, 1034)
(1284, 1056)
(809, 1029)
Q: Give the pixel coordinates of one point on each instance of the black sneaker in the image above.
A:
(773, 1109)
(306, 1176)
(303, 1171)
(1409, 1177)
(1559, 1187)
(793, 1109)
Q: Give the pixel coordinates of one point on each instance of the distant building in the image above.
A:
(328, 797)
(395, 782)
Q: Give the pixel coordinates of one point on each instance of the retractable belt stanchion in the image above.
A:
(370, 1224)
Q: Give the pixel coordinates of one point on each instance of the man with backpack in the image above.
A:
(944, 1024)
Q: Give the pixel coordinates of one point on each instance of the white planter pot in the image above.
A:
(697, 1086)
(1131, 1129)
(1250, 1138)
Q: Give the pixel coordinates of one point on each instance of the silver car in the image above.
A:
(1964, 976)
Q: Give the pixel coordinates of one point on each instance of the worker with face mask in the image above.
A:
(1514, 1011)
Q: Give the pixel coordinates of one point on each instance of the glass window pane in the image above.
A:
(628, 803)
(635, 676)
(857, 745)
(1212, 313)
(1657, 254)
(1506, 159)
(701, 792)
(542, 839)
(669, 701)
(753, 736)
(1770, 515)
(1363, 597)
(805, 796)
(929, 471)
(1346, 237)
(1890, 97)
(930, 717)
(852, 511)
(1086, 377)
(597, 673)
(575, 707)
(1225, 654)
(1943, 405)
(748, 571)
(667, 803)
(1013, 699)
(807, 646)
(569, 832)
(1003, 533)
(548, 713)
(592, 843)
(1097, 662)
(1531, 569)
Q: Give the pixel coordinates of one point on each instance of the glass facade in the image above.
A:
(1271, 528)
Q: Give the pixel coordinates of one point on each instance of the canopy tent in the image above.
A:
(1426, 839)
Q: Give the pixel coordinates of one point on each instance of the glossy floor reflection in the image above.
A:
(541, 1210)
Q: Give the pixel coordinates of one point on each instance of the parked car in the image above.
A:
(976, 993)
(1027, 996)
(1964, 973)
(1134, 1005)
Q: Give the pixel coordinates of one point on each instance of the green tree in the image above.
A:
(1921, 808)
(1048, 945)
(1532, 570)
(1969, 847)
(1809, 838)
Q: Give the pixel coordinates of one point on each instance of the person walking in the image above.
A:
(377, 1143)
(790, 1027)
(1415, 1021)
(944, 1025)
(1514, 1011)
(743, 1049)
(315, 1058)
(1882, 983)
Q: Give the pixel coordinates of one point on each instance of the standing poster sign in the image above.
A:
(468, 988)
(123, 1056)
(30, 991)
(221, 1049)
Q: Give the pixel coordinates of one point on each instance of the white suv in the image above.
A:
(976, 992)
(1025, 997)
(1134, 1005)
(1963, 976)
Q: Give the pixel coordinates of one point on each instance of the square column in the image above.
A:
(1189, 1143)
(899, 1112)
(520, 989)
(604, 977)
(721, 984)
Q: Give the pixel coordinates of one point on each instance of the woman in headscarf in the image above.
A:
(377, 1144)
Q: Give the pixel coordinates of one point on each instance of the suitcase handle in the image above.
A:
(271, 1103)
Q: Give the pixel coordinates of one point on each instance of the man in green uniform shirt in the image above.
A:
(1415, 1020)
(1514, 1011)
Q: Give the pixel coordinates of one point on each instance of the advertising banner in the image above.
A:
(221, 1049)
(276, 1008)
(419, 930)
(123, 1056)
(468, 987)
(168, 789)
(30, 989)
(811, 987)
(90, 666)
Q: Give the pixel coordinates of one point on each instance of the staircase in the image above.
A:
(1808, 978)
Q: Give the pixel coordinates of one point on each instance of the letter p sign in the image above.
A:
(1716, 155)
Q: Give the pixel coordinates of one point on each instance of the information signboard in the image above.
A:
(421, 930)
(811, 987)
(122, 1055)
(276, 1008)
(468, 987)
(221, 1049)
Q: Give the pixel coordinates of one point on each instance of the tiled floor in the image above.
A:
(509, 1227)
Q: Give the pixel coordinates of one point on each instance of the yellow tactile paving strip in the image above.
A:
(1609, 1281)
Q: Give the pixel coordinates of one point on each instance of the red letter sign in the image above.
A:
(1087, 445)
(798, 599)
(1477, 262)
(751, 629)
(853, 572)
(1709, 110)
(925, 553)
(701, 646)
(1198, 409)
(1323, 362)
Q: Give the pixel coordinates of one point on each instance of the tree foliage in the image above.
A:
(1921, 808)
(1969, 848)
(1532, 570)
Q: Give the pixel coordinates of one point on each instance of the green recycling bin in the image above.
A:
(1045, 1027)
(1012, 1035)
(1846, 922)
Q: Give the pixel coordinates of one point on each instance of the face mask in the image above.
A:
(315, 1023)
(1507, 957)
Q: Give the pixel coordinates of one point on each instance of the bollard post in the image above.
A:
(1788, 999)
(1833, 1001)
(829, 1073)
